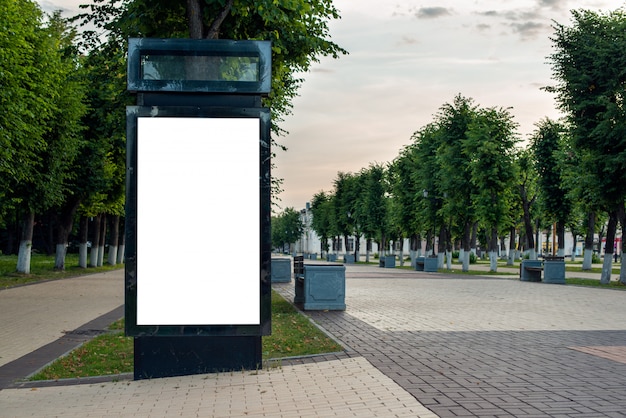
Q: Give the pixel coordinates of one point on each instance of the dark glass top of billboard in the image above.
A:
(199, 66)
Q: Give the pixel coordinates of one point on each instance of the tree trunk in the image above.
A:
(511, 256)
(588, 251)
(368, 248)
(103, 235)
(95, 242)
(65, 223)
(574, 239)
(429, 239)
(622, 222)
(474, 237)
(194, 18)
(26, 243)
(441, 246)
(83, 238)
(622, 267)
(466, 244)
(528, 224)
(493, 250)
(122, 242)
(607, 262)
(113, 240)
(560, 234)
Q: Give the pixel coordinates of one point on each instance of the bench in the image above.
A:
(530, 270)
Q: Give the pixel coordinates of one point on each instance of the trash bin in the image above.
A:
(348, 259)
(281, 270)
(430, 264)
(554, 270)
(324, 287)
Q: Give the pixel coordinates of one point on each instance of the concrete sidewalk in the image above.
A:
(417, 344)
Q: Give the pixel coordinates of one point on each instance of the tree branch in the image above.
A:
(214, 29)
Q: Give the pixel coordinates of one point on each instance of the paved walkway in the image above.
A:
(417, 344)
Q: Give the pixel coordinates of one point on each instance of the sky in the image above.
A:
(406, 59)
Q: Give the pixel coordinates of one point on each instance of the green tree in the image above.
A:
(287, 228)
(403, 191)
(375, 207)
(322, 221)
(526, 185)
(44, 133)
(547, 145)
(298, 30)
(491, 141)
(588, 66)
(454, 121)
(428, 198)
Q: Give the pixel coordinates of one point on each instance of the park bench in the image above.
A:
(319, 287)
(553, 269)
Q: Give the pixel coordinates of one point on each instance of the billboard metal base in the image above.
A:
(175, 356)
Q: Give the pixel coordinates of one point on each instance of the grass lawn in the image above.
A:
(109, 354)
(42, 268)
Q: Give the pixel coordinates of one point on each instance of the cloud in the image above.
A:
(553, 4)
(432, 12)
(529, 30)
(408, 40)
(322, 70)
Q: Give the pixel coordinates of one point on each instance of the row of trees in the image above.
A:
(63, 99)
(54, 161)
(465, 174)
(287, 228)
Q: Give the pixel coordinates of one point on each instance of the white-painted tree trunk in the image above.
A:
(59, 256)
(622, 269)
(23, 256)
(449, 260)
(83, 251)
(120, 253)
(100, 256)
(493, 261)
(560, 252)
(466, 260)
(440, 260)
(573, 256)
(607, 265)
(112, 257)
(93, 256)
(587, 259)
(532, 254)
(511, 258)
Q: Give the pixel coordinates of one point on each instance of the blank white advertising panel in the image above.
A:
(198, 234)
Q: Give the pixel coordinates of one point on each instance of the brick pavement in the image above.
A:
(418, 344)
(478, 347)
(41, 313)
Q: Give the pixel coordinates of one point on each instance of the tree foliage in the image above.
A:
(287, 228)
